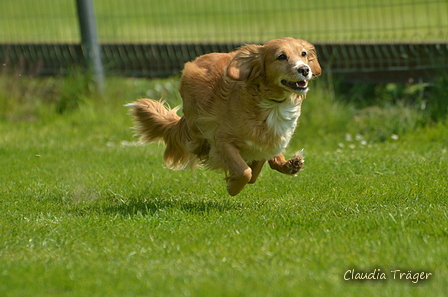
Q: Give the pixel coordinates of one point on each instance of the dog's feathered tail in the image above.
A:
(155, 122)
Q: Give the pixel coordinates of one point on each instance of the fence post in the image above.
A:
(89, 41)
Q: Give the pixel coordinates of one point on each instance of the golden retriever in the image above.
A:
(239, 110)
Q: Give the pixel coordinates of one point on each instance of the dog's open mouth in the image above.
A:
(301, 85)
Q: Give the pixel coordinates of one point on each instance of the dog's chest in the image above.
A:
(281, 121)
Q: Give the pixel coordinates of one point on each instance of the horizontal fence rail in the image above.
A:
(370, 63)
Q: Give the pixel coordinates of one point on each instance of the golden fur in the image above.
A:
(240, 109)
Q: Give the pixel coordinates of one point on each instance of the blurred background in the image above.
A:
(384, 62)
(197, 21)
(359, 40)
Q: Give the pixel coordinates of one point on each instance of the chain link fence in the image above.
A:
(360, 39)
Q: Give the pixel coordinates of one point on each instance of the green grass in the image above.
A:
(86, 212)
(228, 21)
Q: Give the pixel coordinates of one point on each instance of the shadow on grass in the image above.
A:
(148, 207)
(153, 205)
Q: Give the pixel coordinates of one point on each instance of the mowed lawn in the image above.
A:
(85, 211)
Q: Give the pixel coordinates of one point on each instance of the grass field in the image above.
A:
(228, 20)
(87, 212)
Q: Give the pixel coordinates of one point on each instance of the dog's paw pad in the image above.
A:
(295, 164)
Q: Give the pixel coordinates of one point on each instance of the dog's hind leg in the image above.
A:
(256, 167)
(291, 166)
(239, 172)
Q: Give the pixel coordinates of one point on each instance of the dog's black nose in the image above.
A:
(304, 70)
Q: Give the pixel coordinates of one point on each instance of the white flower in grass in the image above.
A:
(394, 137)
(125, 143)
(348, 137)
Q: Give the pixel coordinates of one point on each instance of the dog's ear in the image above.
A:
(246, 64)
(314, 63)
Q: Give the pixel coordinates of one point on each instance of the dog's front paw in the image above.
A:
(295, 164)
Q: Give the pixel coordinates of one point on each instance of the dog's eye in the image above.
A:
(303, 54)
(282, 57)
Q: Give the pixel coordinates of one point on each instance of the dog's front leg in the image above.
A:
(291, 166)
(240, 172)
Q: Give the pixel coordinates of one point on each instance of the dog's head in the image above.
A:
(280, 65)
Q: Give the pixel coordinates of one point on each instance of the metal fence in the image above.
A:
(364, 40)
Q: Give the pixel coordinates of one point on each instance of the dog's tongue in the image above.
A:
(295, 84)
